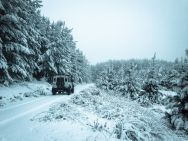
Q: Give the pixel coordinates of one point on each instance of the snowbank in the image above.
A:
(18, 92)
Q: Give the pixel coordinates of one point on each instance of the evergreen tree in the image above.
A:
(132, 87)
(150, 86)
(127, 79)
(31, 46)
(170, 79)
(178, 114)
(16, 49)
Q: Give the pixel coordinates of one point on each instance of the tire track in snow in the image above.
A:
(21, 104)
(23, 109)
(6, 121)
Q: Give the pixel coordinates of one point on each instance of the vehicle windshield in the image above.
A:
(60, 82)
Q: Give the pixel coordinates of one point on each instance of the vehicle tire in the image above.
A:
(54, 91)
(72, 90)
(69, 91)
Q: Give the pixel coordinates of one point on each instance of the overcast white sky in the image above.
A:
(124, 29)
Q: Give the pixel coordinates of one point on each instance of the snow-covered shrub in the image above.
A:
(95, 91)
(78, 100)
(118, 130)
(178, 114)
(184, 80)
(61, 111)
(88, 97)
(150, 88)
(119, 77)
(131, 85)
(150, 93)
(134, 79)
(36, 93)
(135, 131)
(41, 92)
(170, 80)
(97, 126)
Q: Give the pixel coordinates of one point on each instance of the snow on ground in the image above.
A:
(168, 93)
(87, 115)
(16, 122)
(23, 91)
(96, 115)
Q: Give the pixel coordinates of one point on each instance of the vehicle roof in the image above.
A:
(64, 75)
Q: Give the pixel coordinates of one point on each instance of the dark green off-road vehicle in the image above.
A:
(62, 83)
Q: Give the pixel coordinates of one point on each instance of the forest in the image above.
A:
(34, 48)
(142, 80)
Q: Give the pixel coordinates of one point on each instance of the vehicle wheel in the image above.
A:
(72, 91)
(69, 91)
(54, 91)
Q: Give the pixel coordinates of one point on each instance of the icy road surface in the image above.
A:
(15, 120)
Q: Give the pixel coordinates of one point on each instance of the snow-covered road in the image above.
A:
(15, 120)
(10, 114)
(89, 114)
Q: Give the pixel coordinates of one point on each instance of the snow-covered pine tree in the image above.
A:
(131, 83)
(82, 67)
(178, 114)
(169, 80)
(150, 87)
(3, 62)
(61, 55)
(120, 79)
(16, 50)
(32, 46)
(144, 72)
(99, 72)
(110, 77)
